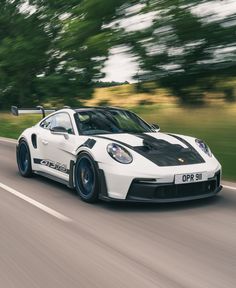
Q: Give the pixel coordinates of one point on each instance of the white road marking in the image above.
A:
(229, 187)
(8, 140)
(35, 203)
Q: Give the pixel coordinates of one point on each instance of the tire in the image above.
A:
(86, 178)
(24, 159)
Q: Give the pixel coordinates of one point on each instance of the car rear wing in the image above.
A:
(38, 110)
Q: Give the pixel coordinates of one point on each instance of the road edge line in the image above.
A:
(35, 203)
(229, 187)
(8, 140)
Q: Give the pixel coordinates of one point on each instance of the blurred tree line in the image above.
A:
(100, 84)
(57, 49)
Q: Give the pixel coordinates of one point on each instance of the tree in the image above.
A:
(182, 50)
(81, 39)
(23, 47)
(54, 50)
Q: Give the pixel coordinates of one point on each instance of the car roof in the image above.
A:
(98, 108)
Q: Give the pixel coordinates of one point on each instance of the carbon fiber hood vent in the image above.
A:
(163, 153)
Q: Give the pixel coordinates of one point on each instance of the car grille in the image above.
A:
(151, 191)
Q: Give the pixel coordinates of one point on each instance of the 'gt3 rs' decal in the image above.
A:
(52, 164)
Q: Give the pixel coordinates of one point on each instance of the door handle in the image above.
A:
(45, 142)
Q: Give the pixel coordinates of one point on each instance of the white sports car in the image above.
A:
(112, 154)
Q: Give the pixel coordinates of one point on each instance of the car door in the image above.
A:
(56, 146)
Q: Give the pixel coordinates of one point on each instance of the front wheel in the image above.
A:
(86, 178)
(24, 159)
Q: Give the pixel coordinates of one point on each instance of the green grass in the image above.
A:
(216, 125)
(11, 126)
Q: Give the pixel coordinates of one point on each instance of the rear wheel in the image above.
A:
(86, 178)
(24, 159)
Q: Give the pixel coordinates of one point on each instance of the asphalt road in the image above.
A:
(188, 245)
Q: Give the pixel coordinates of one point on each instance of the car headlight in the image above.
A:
(205, 148)
(119, 153)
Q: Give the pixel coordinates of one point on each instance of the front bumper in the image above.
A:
(144, 191)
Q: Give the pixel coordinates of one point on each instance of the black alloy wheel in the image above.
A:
(24, 159)
(86, 178)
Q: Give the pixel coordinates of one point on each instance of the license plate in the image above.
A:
(190, 178)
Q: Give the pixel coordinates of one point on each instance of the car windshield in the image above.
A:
(107, 121)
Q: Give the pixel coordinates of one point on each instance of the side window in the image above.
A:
(62, 120)
(58, 120)
(46, 124)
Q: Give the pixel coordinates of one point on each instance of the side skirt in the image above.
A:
(54, 178)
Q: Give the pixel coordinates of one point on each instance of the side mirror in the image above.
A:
(156, 127)
(59, 130)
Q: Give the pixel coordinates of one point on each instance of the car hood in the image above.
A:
(160, 148)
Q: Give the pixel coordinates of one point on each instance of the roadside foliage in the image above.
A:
(55, 51)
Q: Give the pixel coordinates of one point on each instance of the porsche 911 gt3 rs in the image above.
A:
(112, 154)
